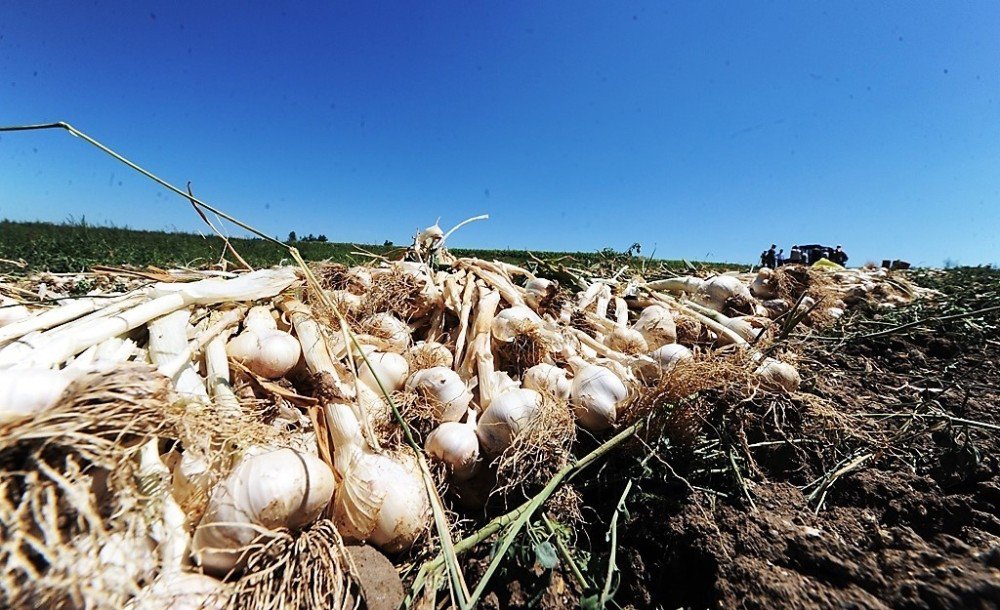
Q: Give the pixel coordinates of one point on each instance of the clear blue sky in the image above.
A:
(704, 130)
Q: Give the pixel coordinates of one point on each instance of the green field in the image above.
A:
(77, 247)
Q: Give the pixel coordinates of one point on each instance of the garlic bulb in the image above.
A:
(537, 289)
(281, 488)
(445, 389)
(514, 321)
(457, 445)
(11, 311)
(390, 329)
(834, 312)
(627, 340)
(764, 286)
(778, 375)
(547, 379)
(716, 291)
(262, 348)
(669, 355)
(24, 392)
(181, 591)
(346, 301)
(381, 500)
(595, 395)
(390, 368)
(428, 354)
(508, 414)
(656, 323)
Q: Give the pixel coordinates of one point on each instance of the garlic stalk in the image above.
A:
(276, 489)
(11, 311)
(508, 414)
(457, 445)
(595, 395)
(686, 284)
(24, 392)
(51, 318)
(167, 340)
(217, 372)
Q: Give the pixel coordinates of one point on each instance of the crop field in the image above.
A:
(543, 430)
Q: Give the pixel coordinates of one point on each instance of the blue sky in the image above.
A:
(706, 130)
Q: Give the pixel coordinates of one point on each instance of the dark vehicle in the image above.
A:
(813, 252)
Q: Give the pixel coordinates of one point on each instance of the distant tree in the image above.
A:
(387, 244)
(321, 237)
(310, 237)
(292, 236)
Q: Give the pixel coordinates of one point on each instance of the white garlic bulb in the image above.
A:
(717, 290)
(656, 323)
(502, 382)
(24, 392)
(428, 354)
(11, 311)
(390, 368)
(281, 488)
(262, 348)
(595, 395)
(537, 289)
(457, 445)
(346, 301)
(443, 387)
(514, 321)
(390, 329)
(626, 340)
(764, 286)
(667, 357)
(547, 379)
(778, 375)
(381, 499)
(508, 414)
(181, 591)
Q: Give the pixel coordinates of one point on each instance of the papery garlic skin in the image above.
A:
(537, 289)
(595, 395)
(181, 591)
(778, 375)
(381, 500)
(513, 321)
(428, 354)
(717, 290)
(390, 368)
(656, 323)
(390, 329)
(627, 340)
(25, 392)
(764, 285)
(445, 389)
(502, 382)
(508, 414)
(266, 351)
(281, 488)
(547, 379)
(457, 445)
(668, 357)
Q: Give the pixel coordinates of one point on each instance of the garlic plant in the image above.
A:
(626, 340)
(262, 348)
(390, 368)
(717, 290)
(181, 591)
(456, 444)
(393, 332)
(428, 354)
(444, 389)
(547, 379)
(656, 323)
(595, 394)
(668, 356)
(508, 414)
(778, 375)
(275, 489)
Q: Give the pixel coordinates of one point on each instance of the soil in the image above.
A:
(906, 513)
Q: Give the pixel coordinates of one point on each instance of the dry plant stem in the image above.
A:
(463, 325)
(440, 517)
(219, 327)
(51, 318)
(504, 286)
(481, 345)
(577, 573)
(225, 240)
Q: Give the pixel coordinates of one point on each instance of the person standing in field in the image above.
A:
(795, 255)
(769, 257)
(839, 256)
(779, 259)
